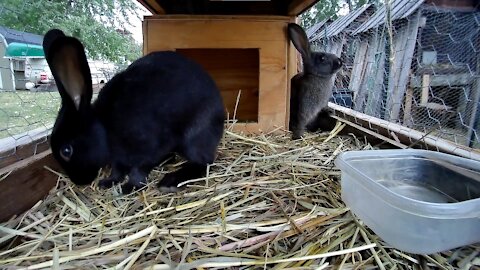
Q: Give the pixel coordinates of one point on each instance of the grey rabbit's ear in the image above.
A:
(299, 39)
(68, 63)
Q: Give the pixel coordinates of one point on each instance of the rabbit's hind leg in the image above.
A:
(189, 170)
(199, 151)
(137, 176)
(299, 126)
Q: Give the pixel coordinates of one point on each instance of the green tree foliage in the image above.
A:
(329, 10)
(99, 24)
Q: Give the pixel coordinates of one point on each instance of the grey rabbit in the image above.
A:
(161, 105)
(312, 88)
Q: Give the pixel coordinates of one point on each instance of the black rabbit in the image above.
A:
(312, 88)
(162, 104)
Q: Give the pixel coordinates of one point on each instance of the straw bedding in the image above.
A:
(267, 203)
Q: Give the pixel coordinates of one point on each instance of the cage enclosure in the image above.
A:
(267, 200)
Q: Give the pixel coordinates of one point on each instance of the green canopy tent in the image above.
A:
(23, 50)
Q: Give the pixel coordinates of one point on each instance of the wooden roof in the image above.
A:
(400, 9)
(313, 31)
(340, 24)
(228, 7)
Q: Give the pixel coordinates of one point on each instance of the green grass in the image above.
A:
(22, 111)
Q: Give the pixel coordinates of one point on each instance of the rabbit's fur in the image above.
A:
(162, 104)
(312, 88)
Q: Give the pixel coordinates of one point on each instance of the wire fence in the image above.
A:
(412, 63)
(27, 106)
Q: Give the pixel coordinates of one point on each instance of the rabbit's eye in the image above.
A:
(322, 58)
(66, 152)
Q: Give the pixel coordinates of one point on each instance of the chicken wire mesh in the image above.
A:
(412, 63)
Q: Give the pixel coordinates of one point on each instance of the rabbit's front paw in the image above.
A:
(169, 183)
(128, 187)
(297, 134)
(137, 179)
(108, 182)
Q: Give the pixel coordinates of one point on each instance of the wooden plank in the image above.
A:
(145, 5)
(291, 8)
(338, 77)
(21, 152)
(335, 46)
(425, 89)
(400, 85)
(8, 143)
(358, 70)
(407, 111)
(207, 31)
(243, 7)
(474, 115)
(27, 182)
(257, 18)
(152, 6)
(292, 69)
(398, 46)
(339, 50)
(443, 80)
(369, 61)
(375, 100)
(474, 119)
(297, 7)
(370, 132)
(464, 103)
(273, 85)
(435, 106)
(24, 145)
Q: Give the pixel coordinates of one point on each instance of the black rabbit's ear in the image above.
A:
(68, 63)
(299, 39)
(49, 38)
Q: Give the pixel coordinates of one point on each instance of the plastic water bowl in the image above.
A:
(417, 201)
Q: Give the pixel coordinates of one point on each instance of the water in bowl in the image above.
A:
(417, 191)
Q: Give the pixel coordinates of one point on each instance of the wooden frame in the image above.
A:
(25, 183)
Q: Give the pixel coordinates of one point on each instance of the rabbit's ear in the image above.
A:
(68, 63)
(299, 39)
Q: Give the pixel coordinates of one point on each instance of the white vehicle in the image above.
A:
(37, 71)
(38, 74)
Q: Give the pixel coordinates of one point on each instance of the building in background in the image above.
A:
(21, 57)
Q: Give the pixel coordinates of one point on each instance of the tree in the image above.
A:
(99, 24)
